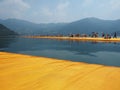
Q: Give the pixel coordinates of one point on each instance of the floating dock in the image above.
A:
(93, 39)
(24, 72)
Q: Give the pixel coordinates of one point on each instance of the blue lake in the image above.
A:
(90, 52)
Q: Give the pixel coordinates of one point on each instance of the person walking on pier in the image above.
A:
(115, 35)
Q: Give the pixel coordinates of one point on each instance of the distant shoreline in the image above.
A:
(94, 39)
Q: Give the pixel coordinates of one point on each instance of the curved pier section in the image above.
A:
(23, 72)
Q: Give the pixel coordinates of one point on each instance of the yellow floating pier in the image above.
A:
(23, 72)
(97, 39)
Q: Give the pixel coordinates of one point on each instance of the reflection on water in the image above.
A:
(91, 52)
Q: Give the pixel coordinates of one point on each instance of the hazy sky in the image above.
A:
(48, 11)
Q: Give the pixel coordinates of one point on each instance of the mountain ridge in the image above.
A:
(86, 25)
(4, 31)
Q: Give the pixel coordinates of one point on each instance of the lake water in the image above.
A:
(90, 52)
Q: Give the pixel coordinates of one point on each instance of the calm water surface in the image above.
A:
(90, 52)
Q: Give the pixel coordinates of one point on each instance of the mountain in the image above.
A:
(86, 25)
(26, 27)
(89, 25)
(4, 31)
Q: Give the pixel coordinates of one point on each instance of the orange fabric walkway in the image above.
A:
(23, 72)
(98, 39)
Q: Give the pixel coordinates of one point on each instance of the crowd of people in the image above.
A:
(95, 35)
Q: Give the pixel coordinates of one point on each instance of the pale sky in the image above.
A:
(54, 11)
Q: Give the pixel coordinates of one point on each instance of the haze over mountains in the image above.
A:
(86, 25)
